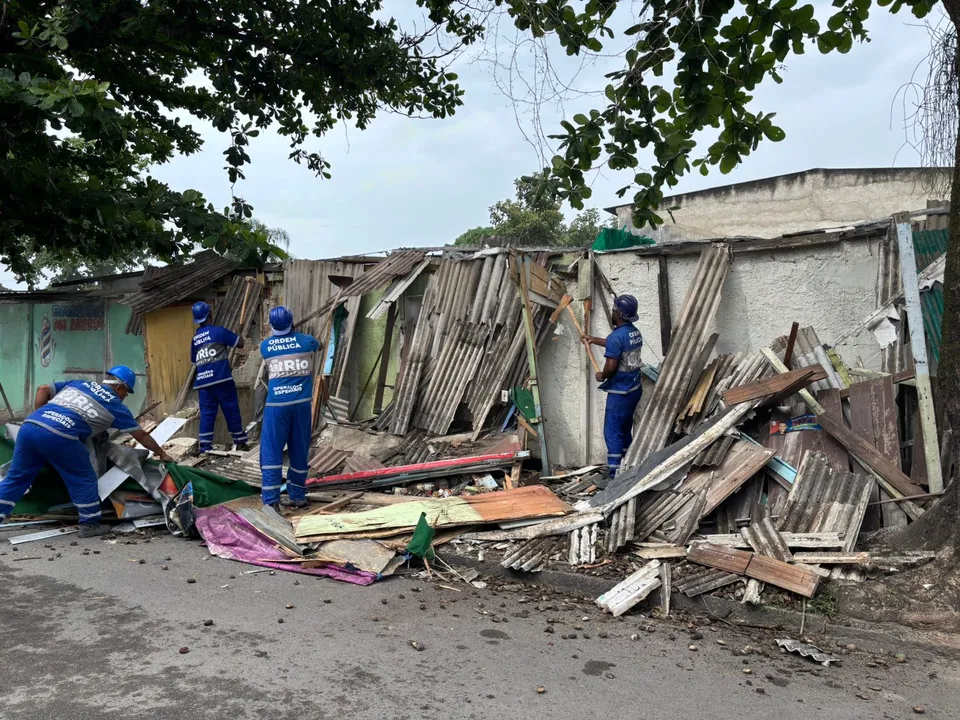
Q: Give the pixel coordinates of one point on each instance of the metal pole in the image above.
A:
(918, 346)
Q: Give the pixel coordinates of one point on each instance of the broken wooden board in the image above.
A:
(368, 555)
(800, 580)
(869, 455)
(631, 591)
(894, 559)
(527, 502)
(775, 386)
(793, 540)
(661, 552)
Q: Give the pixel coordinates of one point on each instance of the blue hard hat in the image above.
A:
(281, 320)
(124, 375)
(201, 311)
(627, 307)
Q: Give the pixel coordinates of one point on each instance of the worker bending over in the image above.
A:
(66, 414)
(214, 384)
(620, 378)
(287, 418)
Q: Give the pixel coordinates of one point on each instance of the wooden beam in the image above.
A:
(918, 346)
(663, 293)
(788, 355)
(777, 364)
(531, 342)
(800, 580)
(869, 455)
(385, 359)
(784, 384)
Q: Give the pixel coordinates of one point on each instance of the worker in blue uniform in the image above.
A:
(287, 418)
(65, 415)
(620, 378)
(210, 352)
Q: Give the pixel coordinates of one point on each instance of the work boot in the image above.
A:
(275, 506)
(89, 530)
(241, 447)
(295, 504)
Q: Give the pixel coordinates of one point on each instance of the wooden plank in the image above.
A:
(794, 578)
(836, 454)
(662, 552)
(883, 412)
(663, 294)
(793, 540)
(861, 422)
(869, 455)
(785, 383)
(788, 355)
(836, 558)
(918, 347)
(717, 556)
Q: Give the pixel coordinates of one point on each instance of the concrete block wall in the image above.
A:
(831, 287)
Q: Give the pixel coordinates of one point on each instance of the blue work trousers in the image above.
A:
(618, 426)
(220, 396)
(36, 447)
(285, 426)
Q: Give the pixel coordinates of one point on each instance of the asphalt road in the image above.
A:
(99, 636)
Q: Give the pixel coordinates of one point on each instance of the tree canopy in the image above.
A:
(534, 218)
(128, 78)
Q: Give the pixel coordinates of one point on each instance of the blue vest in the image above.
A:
(81, 408)
(210, 353)
(624, 345)
(289, 360)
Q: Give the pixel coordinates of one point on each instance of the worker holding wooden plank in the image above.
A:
(620, 378)
(287, 418)
(213, 382)
(67, 413)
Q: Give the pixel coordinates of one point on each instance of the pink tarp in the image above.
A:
(229, 536)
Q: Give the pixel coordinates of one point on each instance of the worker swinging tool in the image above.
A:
(214, 379)
(620, 378)
(287, 418)
(66, 414)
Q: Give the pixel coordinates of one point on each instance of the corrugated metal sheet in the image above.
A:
(655, 424)
(702, 580)
(467, 345)
(932, 304)
(397, 264)
(764, 539)
(810, 351)
(307, 287)
(823, 500)
(161, 287)
(361, 463)
(327, 460)
(929, 245)
(531, 556)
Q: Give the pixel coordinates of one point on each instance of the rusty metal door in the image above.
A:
(167, 334)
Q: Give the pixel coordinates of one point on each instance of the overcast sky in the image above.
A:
(407, 182)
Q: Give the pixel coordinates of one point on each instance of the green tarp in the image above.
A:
(614, 239)
(209, 488)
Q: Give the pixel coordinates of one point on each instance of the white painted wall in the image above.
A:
(792, 203)
(831, 287)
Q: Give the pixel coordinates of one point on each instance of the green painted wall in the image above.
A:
(14, 355)
(65, 341)
(126, 350)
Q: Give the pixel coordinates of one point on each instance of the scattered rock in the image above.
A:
(327, 601)
(602, 635)
(919, 709)
(851, 647)
(168, 558)
(280, 620)
(383, 601)
(401, 596)
(634, 637)
(696, 636)
(586, 636)
(289, 606)
(423, 606)
(747, 671)
(191, 580)
(164, 567)
(541, 690)
(549, 629)
(693, 648)
(207, 623)
(900, 657)
(296, 582)
(720, 642)
(74, 542)
(417, 645)
(184, 650)
(760, 691)
(142, 562)
(261, 653)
